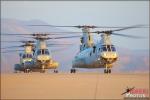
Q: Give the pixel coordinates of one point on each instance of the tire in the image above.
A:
(42, 71)
(109, 70)
(74, 70)
(105, 71)
(55, 71)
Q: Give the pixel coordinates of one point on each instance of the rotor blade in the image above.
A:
(11, 47)
(58, 44)
(81, 26)
(13, 34)
(64, 37)
(52, 25)
(130, 27)
(23, 41)
(121, 29)
(37, 33)
(92, 26)
(8, 51)
(20, 36)
(129, 36)
(60, 49)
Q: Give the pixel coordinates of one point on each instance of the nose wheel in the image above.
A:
(43, 69)
(107, 70)
(73, 70)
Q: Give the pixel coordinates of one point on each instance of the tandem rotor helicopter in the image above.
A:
(102, 54)
(97, 55)
(36, 57)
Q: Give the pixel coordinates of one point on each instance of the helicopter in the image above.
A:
(97, 55)
(26, 58)
(38, 54)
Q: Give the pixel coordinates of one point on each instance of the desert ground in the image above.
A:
(69, 86)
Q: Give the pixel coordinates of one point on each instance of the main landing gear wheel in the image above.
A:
(55, 71)
(42, 71)
(107, 71)
(73, 71)
(26, 70)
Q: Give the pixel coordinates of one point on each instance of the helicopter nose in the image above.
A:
(109, 55)
(43, 57)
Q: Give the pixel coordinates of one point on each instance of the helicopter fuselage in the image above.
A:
(98, 58)
(42, 57)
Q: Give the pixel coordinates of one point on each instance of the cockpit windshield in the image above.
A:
(108, 48)
(43, 52)
(113, 48)
(27, 56)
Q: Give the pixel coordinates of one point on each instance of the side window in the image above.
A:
(104, 48)
(94, 49)
(113, 48)
(39, 52)
(24, 56)
(81, 39)
(90, 53)
(30, 56)
(47, 52)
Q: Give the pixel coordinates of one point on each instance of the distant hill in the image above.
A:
(128, 61)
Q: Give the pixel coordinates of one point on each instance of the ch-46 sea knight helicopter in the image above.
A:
(97, 55)
(37, 57)
(26, 57)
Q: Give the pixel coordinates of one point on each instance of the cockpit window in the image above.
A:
(27, 56)
(42, 52)
(108, 48)
(113, 48)
(104, 48)
(24, 56)
(47, 52)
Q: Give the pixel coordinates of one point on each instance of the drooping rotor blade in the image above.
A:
(52, 25)
(121, 29)
(129, 36)
(36, 34)
(20, 36)
(82, 26)
(64, 37)
(60, 49)
(12, 47)
(53, 44)
(23, 41)
(9, 51)
(130, 27)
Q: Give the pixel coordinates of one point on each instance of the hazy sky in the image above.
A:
(102, 13)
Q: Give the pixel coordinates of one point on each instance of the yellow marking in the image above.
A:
(109, 54)
(26, 59)
(43, 57)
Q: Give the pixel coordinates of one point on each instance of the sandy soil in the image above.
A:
(69, 86)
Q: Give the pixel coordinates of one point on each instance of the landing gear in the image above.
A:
(107, 71)
(42, 71)
(27, 70)
(73, 71)
(55, 71)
